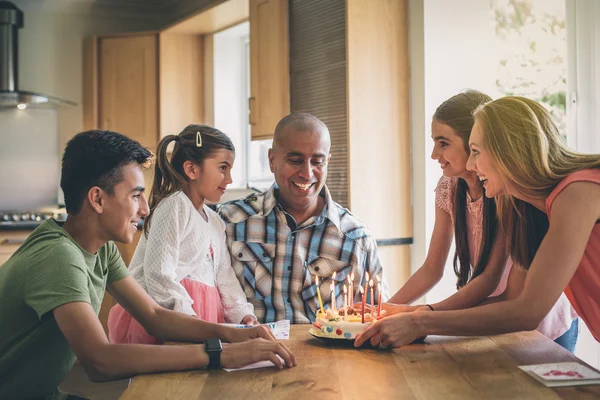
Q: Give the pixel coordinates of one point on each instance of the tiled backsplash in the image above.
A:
(29, 159)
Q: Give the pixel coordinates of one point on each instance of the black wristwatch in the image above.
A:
(214, 348)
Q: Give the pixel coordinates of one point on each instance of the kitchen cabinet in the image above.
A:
(128, 87)
(145, 85)
(149, 85)
(269, 66)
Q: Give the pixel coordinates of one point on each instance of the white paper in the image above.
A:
(256, 365)
(562, 371)
(281, 329)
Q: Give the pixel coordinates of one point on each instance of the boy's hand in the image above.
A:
(236, 355)
(234, 335)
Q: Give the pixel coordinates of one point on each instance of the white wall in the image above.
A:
(230, 97)
(450, 51)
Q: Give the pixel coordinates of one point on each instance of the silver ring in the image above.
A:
(381, 346)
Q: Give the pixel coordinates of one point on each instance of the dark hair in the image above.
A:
(528, 225)
(457, 113)
(96, 158)
(195, 143)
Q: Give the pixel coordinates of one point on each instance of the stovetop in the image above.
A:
(27, 219)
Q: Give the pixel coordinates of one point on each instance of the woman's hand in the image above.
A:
(389, 308)
(236, 355)
(234, 335)
(395, 331)
(250, 320)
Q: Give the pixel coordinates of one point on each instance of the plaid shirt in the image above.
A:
(276, 264)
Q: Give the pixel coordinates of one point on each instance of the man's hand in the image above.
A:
(250, 320)
(234, 335)
(395, 331)
(236, 355)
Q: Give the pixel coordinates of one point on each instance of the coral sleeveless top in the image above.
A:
(583, 290)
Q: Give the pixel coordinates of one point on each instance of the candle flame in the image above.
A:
(352, 276)
(367, 276)
(316, 280)
(371, 283)
(360, 288)
(332, 286)
(349, 281)
(345, 289)
(334, 274)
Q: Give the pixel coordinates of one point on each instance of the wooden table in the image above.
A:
(442, 368)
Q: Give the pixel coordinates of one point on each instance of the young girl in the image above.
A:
(182, 259)
(518, 153)
(480, 263)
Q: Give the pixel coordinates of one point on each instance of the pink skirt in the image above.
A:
(123, 328)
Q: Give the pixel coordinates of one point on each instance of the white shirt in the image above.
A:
(178, 246)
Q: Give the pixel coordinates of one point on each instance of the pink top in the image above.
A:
(584, 288)
(560, 318)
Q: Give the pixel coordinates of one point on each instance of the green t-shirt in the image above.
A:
(50, 269)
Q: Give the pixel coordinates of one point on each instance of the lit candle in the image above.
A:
(366, 288)
(352, 287)
(345, 302)
(333, 284)
(362, 292)
(379, 299)
(319, 294)
(372, 298)
(332, 296)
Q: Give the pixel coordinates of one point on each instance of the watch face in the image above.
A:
(213, 345)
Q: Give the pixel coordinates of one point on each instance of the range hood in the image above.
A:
(11, 20)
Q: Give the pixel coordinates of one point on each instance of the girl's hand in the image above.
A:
(250, 320)
(234, 335)
(236, 355)
(395, 331)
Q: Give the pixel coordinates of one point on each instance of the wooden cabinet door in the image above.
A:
(128, 87)
(269, 66)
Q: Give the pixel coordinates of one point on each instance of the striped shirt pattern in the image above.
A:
(277, 266)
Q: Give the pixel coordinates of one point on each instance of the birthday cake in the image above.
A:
(346, 322)
(341, 324)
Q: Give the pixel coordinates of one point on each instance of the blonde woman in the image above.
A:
(518, 153)
(480, 263)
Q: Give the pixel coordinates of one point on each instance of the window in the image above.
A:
(231, 93)
(531, 45)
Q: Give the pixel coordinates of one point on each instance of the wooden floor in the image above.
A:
(79, 384)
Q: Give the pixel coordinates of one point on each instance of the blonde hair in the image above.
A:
(530, 153)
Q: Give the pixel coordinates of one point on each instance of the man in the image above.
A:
(280, 240)
(52, 287)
